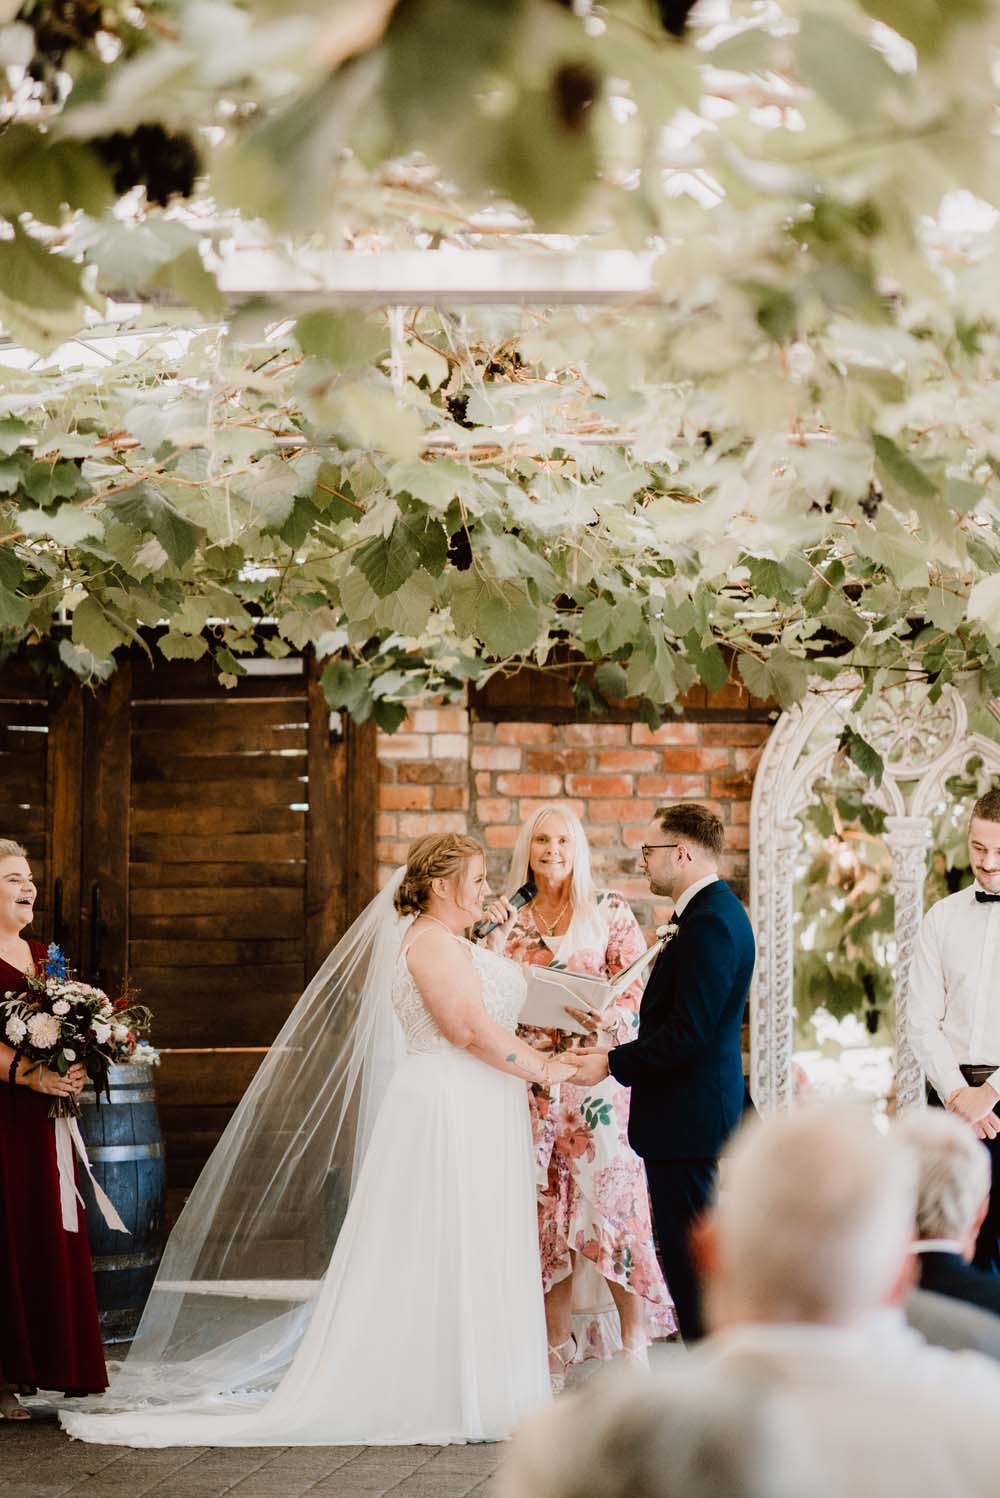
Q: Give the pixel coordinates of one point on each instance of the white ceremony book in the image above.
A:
(552, 991)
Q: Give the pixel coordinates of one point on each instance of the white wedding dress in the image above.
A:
(429, 1323)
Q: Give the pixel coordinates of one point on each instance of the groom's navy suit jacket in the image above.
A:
(684, 1066)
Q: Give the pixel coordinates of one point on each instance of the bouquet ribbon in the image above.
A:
(68, 1139)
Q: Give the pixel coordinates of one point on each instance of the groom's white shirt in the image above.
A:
(683, 901)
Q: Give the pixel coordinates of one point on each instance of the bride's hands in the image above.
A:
(502, 911)
(559, 1069)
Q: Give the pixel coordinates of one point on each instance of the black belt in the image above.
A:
(975, 1076)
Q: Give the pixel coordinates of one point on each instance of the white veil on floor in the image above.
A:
(237, 1285)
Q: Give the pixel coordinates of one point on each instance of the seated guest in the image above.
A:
(956, 1324)
(805, 1263)
(953, 1195)
(667, 1437)
(806, 1259)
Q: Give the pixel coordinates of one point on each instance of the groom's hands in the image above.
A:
(591, 1066)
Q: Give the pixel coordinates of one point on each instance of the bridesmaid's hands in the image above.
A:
(43, 1079)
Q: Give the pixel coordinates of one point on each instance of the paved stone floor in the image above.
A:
(38, 1461)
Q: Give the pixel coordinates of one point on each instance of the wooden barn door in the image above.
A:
(206, 846)
(41, 742)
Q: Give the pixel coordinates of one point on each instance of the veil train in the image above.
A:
(236, 1288)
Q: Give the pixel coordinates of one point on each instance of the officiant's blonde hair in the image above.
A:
(582, 891)
(10, 849)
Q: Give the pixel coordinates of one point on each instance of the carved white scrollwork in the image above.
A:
(922, 744)
(909, 840)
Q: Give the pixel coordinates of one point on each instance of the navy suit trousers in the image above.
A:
(679, 1192)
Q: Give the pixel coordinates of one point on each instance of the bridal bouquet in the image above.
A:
(59, 1021)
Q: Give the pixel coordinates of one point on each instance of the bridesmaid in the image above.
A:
(49, 1332)
(594, 1217)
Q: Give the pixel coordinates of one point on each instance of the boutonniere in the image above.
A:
(667, 932)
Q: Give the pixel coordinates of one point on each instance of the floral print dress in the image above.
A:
(593, 1199)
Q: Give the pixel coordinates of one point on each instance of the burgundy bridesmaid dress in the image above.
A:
(50, 1337)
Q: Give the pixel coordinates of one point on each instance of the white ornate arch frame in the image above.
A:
(937, 745)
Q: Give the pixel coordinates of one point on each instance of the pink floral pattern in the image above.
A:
(592, 1187)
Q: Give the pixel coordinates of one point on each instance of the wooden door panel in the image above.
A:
(266, 793)
(40, 766)
(208, 847)
(223, 953)
(166, 847)
(198, 899)
(249, 875)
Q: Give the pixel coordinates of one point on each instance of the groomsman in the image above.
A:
(685, 1066)
(954, 1011)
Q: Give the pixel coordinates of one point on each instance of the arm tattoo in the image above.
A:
(523, 1066)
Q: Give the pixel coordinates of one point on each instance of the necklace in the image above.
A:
(426, 917)
(550, 926)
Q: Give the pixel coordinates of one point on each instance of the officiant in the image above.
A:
(954, 1009)
(604, 1291)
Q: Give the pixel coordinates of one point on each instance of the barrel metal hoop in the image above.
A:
(148, 1260)
(125, 1152)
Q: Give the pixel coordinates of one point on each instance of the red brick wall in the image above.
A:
(442, 773)
(613, 775)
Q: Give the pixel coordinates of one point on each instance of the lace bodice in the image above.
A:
(503, 986)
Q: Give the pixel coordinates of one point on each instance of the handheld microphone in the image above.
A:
(522, 896)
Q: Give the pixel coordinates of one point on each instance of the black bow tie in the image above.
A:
(982, 898)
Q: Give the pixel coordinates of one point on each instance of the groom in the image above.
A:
(685, 1067)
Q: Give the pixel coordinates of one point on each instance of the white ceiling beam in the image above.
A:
(442, 278)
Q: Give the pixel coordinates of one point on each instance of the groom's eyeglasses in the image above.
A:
(648, 848)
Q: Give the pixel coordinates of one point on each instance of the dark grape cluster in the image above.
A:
(166, 164)
(871, 501)
(460, 550)
(60, 26)
(458, 407)
(574, 87)
(674, 14)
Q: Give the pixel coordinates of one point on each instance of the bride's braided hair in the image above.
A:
(439, 855)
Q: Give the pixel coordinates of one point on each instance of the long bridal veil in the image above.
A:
(239, 1276)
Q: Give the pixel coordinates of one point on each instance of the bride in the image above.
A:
(358, 1263)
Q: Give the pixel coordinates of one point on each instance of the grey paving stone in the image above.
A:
(39, 1461)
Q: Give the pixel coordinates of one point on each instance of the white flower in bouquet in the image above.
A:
(44, 1030)
(120, 1032)
(102, 1032)
(61, 1006)
(145, 1055)
(107, 1009)
(16, 1030)
(68, 1053)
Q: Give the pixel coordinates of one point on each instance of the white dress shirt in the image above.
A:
(684, 900)
(954, 1015)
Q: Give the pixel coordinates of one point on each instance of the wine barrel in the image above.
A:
(125, 1145)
